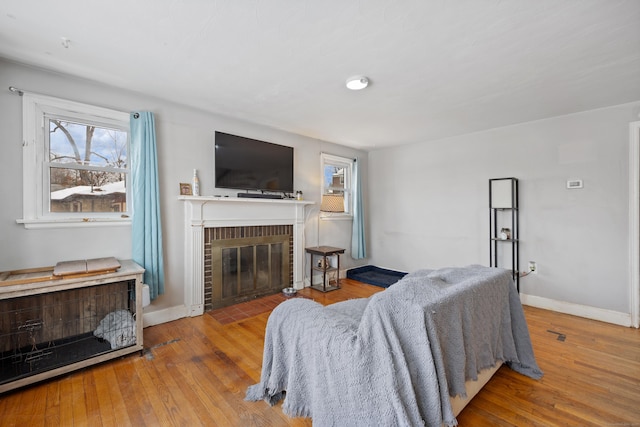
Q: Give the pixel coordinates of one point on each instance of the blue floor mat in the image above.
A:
(375, 275)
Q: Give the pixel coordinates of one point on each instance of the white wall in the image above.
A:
(185, 142)
(429, 204)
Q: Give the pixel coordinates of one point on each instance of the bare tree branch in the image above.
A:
(87, 148)
(64, 130)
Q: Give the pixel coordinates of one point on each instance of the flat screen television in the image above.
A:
(249, 164)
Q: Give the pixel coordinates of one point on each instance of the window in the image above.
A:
(336, 180)
(75, 162)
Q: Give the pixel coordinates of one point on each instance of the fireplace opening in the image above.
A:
(243, 263)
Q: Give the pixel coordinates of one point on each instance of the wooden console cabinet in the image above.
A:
(48, 327)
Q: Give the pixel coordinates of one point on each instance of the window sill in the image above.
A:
(73, 222)
(336, 217)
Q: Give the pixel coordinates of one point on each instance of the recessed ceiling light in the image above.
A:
(357, 82)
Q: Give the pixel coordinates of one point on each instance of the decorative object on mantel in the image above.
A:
(298, 195)
(185, 189)
(195, 183)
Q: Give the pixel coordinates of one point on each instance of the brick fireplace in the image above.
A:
(242, 263)
(206, 218)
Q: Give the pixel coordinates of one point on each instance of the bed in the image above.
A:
(400, 357)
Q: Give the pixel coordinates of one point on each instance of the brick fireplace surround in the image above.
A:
(249, 237)
(202, 212)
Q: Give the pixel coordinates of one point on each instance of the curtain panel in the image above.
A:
(358, 242)
(146, 226)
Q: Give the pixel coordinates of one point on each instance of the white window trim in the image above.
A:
(348, 194)
(34, 108)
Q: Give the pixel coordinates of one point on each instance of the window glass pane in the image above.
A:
(78, 165)
(73, 190)
(334, 179)
(86, 144)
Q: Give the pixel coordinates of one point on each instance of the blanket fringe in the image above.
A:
(296, 412)
(257, 392)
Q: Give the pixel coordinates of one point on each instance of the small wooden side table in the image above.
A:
(322, 264)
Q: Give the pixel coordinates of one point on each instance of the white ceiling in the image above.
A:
(438, 68)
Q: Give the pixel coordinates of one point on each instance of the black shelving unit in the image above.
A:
(503, 224)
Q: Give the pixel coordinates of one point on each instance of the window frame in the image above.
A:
(347, 164)
(37, 110)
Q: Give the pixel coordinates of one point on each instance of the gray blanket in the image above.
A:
(396, 357)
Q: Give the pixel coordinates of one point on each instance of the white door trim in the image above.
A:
(634, 223)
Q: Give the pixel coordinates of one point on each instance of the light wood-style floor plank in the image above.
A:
(195, 372)
(52, 410)
(134, 395)
(74, 393)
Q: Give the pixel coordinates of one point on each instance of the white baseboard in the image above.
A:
(163, 316)
(594, 313)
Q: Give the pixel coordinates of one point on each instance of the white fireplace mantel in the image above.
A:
(204, 212)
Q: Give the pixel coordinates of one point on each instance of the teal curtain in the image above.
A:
(145, 195)
(358, 242)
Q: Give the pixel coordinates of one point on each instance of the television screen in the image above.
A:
(248, 164)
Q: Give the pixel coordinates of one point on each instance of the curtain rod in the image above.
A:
(21, 92)
(16, 90)
(337, 155)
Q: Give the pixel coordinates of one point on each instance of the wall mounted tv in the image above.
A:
(249, 164)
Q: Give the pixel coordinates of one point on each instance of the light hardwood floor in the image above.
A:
(195, 372)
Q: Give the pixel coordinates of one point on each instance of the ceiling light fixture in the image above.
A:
(357, 82)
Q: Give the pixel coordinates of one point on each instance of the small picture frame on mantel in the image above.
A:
(185, 189)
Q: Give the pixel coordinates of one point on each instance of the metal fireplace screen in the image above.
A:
(47, 331)
(247, 268)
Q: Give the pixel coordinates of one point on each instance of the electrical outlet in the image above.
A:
(533, 267)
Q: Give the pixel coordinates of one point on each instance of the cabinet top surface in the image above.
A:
(42, 278)
(325, 250)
